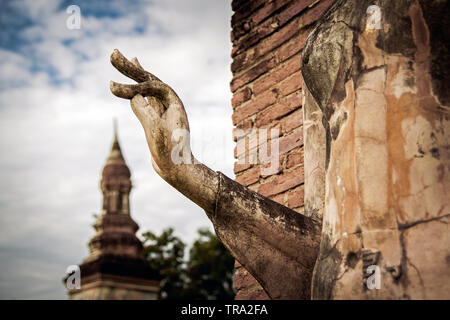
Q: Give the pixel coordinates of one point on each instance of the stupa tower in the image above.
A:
(115, 268)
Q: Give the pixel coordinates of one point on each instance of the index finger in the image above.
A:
(129, 69)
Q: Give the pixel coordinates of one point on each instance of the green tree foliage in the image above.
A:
(165, 253)
(209, 268)
(206, 274)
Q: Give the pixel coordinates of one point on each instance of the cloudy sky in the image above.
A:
(56, 116)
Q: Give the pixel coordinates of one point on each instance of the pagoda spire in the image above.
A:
(115, 128)
(115, 220)
(115, 155)
(116, 260)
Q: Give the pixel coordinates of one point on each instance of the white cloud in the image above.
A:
(37, 10)
(55, 138)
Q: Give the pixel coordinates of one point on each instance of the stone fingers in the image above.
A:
(130, 69)
(149, 88)
(144, 111)
(135, 61)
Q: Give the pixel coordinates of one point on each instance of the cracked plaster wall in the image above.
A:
(377, 153)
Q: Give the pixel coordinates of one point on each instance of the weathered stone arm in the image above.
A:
(277, 245)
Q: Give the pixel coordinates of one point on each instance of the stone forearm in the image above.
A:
(264, 236)
(197, 182)
(277, 245)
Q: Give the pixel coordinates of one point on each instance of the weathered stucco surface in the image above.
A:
(379, 95)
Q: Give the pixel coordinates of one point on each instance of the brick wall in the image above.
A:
(268, 37)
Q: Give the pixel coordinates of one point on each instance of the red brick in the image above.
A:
(264, 154)
(267, 36)
(263, 13)
(293, 121)
(245, 125)
(277, 38)
(239, 30)
(267, 10)
(275, 126)
(246, 146)
(294, 159)
(236, 155)
(293, 46)
(252, 74)
(242, 130)
(244, 9)
(241, 143)
(239, 62)
(254, 106)
(277, 170)
(236, 3)
(268, 134)
(279, 110)
(240, 97)
(276, 76)
(291, 84)
(239, 132)
(293, 10)
(296, 198)
(262, 31)
(251, 145)
(249, 177)
(313, 14)
(282, 182)
(256, 34)
(243, 38)
(278, 198)
(292, 141)
(238, 166)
